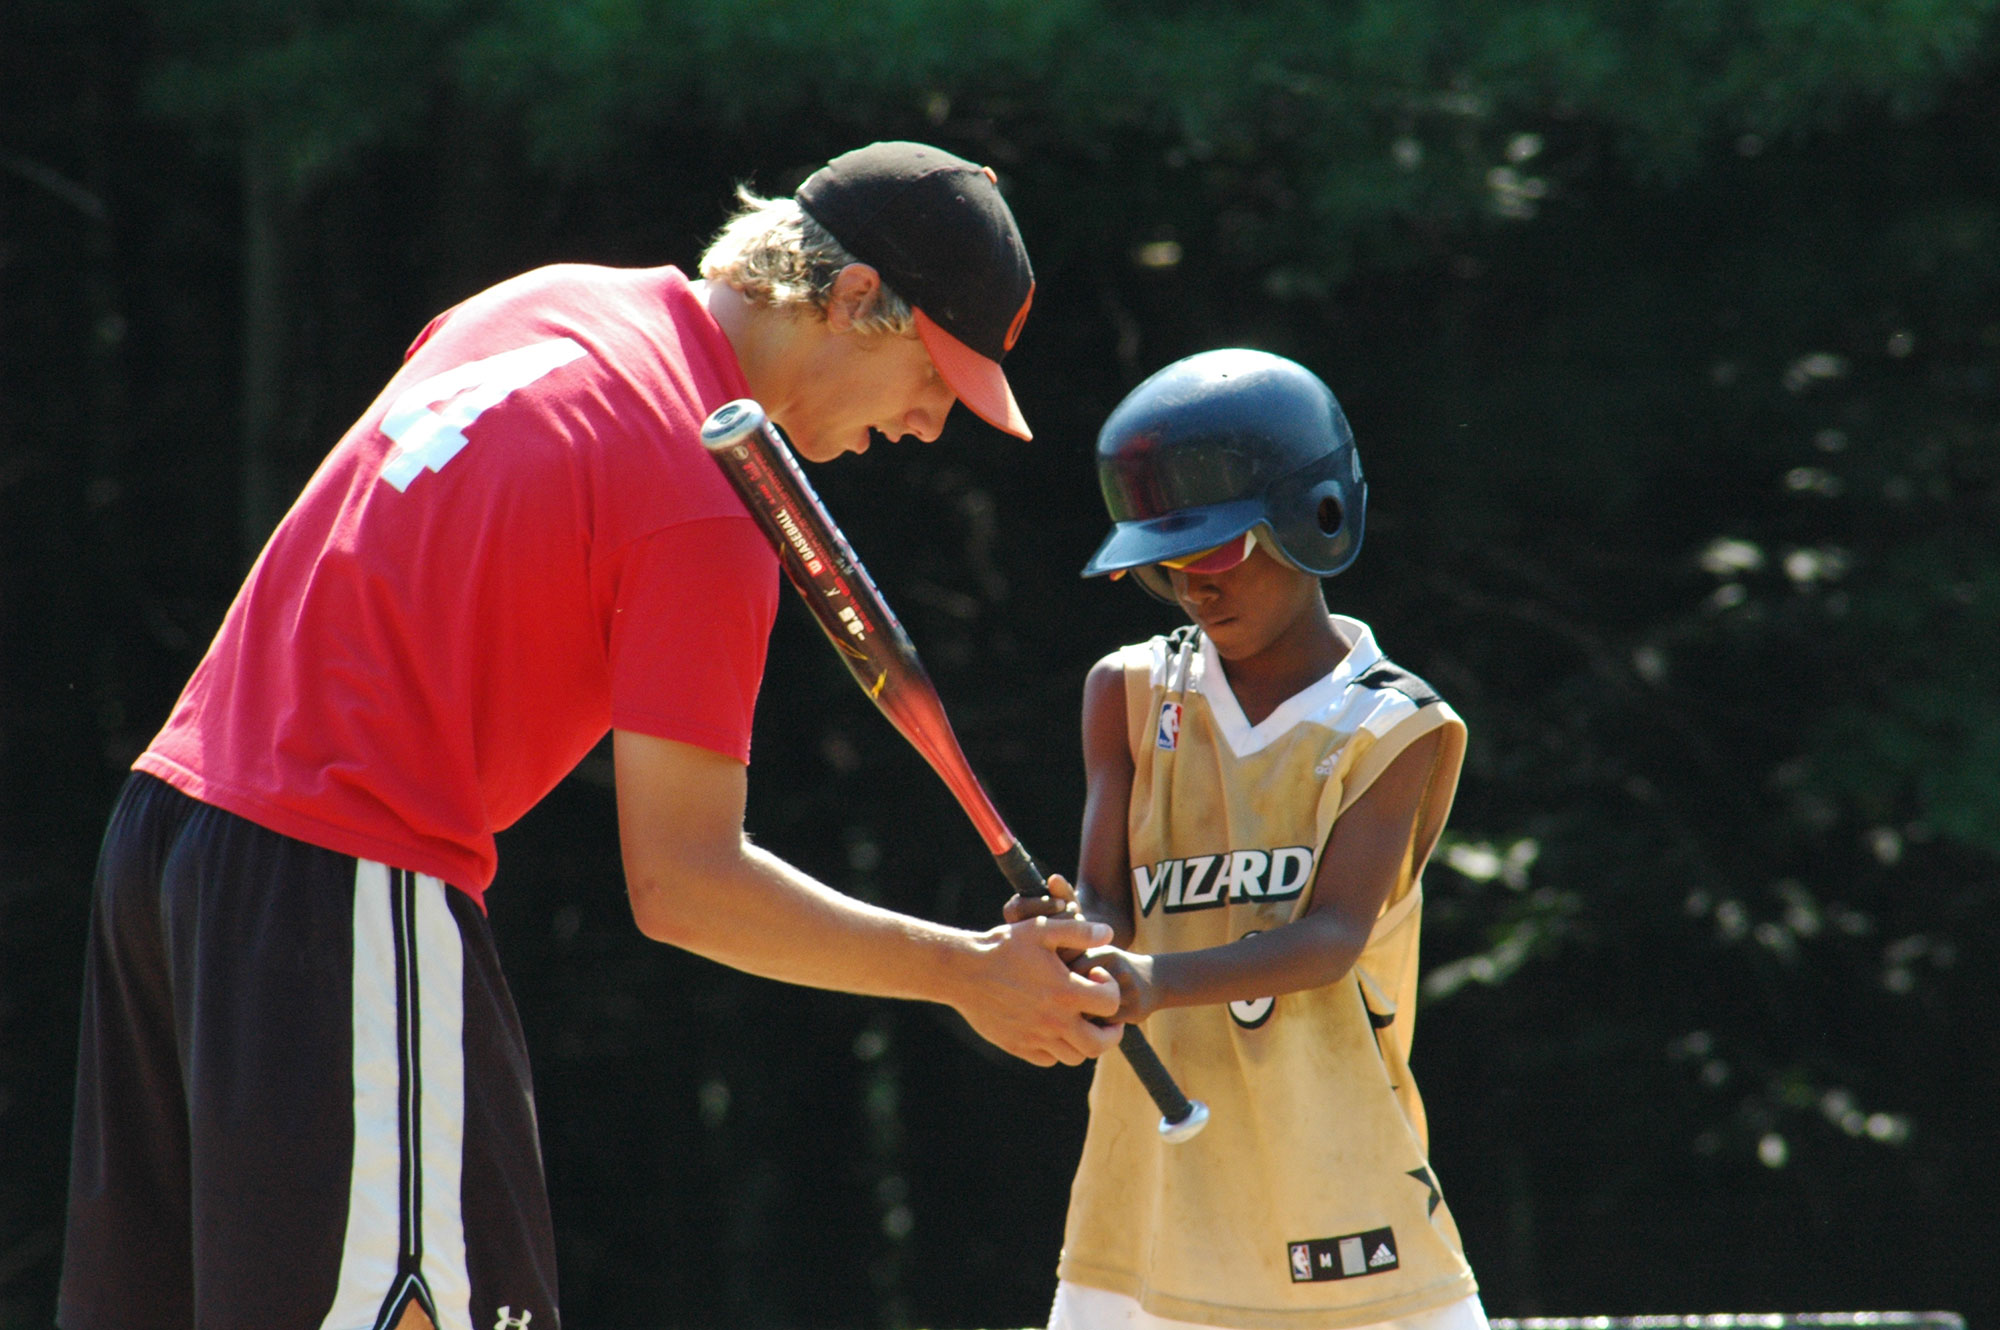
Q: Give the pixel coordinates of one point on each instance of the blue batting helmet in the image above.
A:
(1220, 443)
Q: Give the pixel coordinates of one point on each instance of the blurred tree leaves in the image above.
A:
(318, 82)
(1710, 518)
(1318, 122)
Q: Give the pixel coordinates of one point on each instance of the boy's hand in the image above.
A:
(1138, 997)
(1060, 901)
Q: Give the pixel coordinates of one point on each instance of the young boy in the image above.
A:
(1264, 789)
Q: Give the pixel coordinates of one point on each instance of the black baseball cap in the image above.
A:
(936, 229)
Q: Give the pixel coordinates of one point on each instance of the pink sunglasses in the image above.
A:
(1216, 559)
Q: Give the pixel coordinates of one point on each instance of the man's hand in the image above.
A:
(1025, 999)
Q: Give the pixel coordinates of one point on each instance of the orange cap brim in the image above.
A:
(976, 380)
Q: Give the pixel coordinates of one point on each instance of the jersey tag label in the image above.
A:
(1168, 734)
(1319, 1259)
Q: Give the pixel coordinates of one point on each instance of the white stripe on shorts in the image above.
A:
(1080, 1307)
(409, 1059)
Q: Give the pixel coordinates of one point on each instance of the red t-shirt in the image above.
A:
(520, 545)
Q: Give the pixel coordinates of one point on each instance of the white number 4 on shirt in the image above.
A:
(428, 421)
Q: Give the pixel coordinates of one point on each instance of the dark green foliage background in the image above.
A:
(1671, 336)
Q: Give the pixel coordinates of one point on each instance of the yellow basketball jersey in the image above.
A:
(1309, 1201)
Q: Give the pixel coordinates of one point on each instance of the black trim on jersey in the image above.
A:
(1387, 675)
(1183, 645)
(1425, 1176)
(1376, 1020)
(1384, 675)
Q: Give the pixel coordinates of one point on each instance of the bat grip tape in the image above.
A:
(1175, 1107)
(1028, 881)
(1021, 872)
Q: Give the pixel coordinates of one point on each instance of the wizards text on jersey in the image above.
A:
(1207, 881)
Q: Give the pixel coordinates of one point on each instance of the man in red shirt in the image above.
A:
(303, 1097)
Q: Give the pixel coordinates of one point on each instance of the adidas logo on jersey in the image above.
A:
(1319, 1259)
(1206, 881)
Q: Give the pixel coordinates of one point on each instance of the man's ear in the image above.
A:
(852, 296)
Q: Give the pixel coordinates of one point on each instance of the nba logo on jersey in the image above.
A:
(1168, 735)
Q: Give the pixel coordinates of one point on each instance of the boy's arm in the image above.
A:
(1101, 891)
(1103, 875)
(1364, 857)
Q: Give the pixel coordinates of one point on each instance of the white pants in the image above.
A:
(1078, 1307)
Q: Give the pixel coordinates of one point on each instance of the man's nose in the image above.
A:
(926, 419)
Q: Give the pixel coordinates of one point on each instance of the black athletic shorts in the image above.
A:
(303, 1098)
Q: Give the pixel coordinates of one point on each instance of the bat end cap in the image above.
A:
(1189, 1127)
(730, 423)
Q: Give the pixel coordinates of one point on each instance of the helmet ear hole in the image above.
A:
(1330, 515)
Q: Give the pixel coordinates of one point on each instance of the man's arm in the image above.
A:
(696, 881)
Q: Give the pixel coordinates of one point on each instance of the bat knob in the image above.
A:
(729, 423)
(1189, 1127)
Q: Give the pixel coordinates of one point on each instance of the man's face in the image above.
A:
(860, 384)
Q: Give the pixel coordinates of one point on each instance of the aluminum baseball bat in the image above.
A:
(850, 610)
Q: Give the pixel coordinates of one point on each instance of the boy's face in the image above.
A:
(1245, 609)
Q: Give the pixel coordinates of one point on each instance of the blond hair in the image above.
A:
(774, 252)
